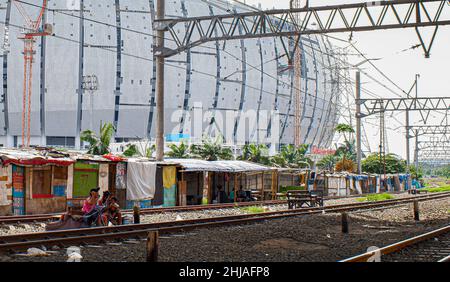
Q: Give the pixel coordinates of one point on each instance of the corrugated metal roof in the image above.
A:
(218, 166)
(33, 157)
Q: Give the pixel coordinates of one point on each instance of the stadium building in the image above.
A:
(98, 66)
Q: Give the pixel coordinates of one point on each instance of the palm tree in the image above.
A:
(343, 129)
(179, 151)
(327, 163)
(257, 153)
(346, 150)
(292, 157)
(212, 150)
(99, 145)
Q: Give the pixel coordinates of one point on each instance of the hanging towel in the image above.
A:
(141, 180)
(170, 186)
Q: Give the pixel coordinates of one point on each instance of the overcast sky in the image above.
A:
(400, 66)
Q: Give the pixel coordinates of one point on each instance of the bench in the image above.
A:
(298, 198)
(415, 191)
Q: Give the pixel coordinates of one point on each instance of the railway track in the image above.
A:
(102, 234)
(56, 216)
(433, 246)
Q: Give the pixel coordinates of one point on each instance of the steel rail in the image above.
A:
(400, 245)
(46, 217)
(22, 241)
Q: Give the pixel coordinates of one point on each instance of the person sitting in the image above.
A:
(241, 195)
(91, 201)
(112, 213)
(92, 211)
(221, 196)
(106, 198)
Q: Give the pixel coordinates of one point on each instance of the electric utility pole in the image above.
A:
(160, 14)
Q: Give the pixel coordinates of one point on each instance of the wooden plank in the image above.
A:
(235, 187)
(205, 192)
(182, 191)
(262, 186)
(69, 191)
(274, 184)
(103, 178)
(152, 246)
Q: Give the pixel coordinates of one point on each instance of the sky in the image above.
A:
(400, 66)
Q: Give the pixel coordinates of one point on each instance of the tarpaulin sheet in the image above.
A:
(141, 180)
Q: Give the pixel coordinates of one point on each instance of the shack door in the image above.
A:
(18, 190)
(85, 177)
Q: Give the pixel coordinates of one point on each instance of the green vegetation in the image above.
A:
(327, 163)
(130, 151)
(284, 189)
(376, 198)
(443, 171)
(375, 164)
(291, 157)
(211, 150)
(255, 153)
(145, 151)
(179, 151)
(415, 173)
(437, 190)
(253, 209)
(99, 144)
(345, 129)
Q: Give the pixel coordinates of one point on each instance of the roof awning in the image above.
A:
(219, 166)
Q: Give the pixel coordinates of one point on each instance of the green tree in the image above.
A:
(373, 164)
(416, 173)
(346, 151)
(255, 153)
(327, 163)
(179, 151)
(99, 144)
(345, 129)
(211, 150)
(291, 157)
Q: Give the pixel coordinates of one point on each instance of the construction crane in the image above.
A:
(297, 64)
(32, 29)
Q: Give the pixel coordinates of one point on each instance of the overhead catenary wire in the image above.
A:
(149, 59)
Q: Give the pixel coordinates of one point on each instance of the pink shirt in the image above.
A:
(87, 207)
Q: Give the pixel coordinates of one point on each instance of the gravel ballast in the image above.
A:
(182, 215)
(302, 238)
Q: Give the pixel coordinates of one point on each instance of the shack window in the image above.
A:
(42, 182)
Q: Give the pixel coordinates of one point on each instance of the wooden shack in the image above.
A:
(89, 171)
(33, 181)
(200, 180)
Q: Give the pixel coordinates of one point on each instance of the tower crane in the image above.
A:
(32, 29)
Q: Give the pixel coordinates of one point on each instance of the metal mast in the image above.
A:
(32, 29)
(297, 81)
